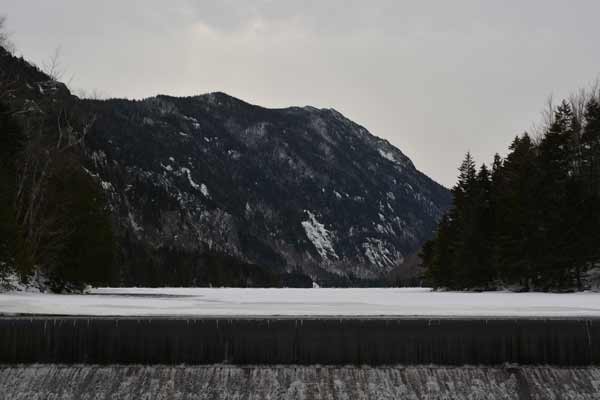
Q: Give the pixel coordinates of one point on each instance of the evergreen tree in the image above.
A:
(555, 188)
(438, 255)
(495, 220)
(466, 179)
(516, 207)
(483, 273)
(496, 169)
(462, 222)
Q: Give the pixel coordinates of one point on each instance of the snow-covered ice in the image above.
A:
(299, 302)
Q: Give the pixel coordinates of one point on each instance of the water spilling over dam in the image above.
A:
(300, 340)
(296, 382)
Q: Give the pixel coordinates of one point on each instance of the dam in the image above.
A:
(107, 346)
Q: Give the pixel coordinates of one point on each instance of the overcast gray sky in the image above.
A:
(435, 78)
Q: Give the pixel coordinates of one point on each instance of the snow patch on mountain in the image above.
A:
(136, 227)
(204, 190)
(388, 155)
(379, 254)
(188, 173)
(319, 237)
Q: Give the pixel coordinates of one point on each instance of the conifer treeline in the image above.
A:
(533, 220)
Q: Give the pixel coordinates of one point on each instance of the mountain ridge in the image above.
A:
(294, 190)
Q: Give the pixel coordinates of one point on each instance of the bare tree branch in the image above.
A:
(42, 234)
(52, 67)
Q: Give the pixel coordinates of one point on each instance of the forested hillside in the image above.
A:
(532, 220)
(54, 220)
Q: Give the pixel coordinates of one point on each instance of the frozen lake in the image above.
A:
(299, 302)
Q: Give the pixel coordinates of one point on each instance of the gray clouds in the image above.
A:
(435, 78)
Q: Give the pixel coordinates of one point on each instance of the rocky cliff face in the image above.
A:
(296, 190)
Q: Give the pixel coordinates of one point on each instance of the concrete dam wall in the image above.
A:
(300, 341)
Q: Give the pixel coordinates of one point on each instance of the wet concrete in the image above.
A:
(300, 341)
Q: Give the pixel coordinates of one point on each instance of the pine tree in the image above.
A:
(495, 217)
(516, 207)
(439, 256)
(556, 193)
(458, 257)
(485, 228)
(466, 178)
(462, 223)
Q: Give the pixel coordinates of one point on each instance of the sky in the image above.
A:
(435, 78)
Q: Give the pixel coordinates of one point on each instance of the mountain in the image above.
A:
(295, 191)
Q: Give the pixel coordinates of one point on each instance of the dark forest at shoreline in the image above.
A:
(532, 220)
